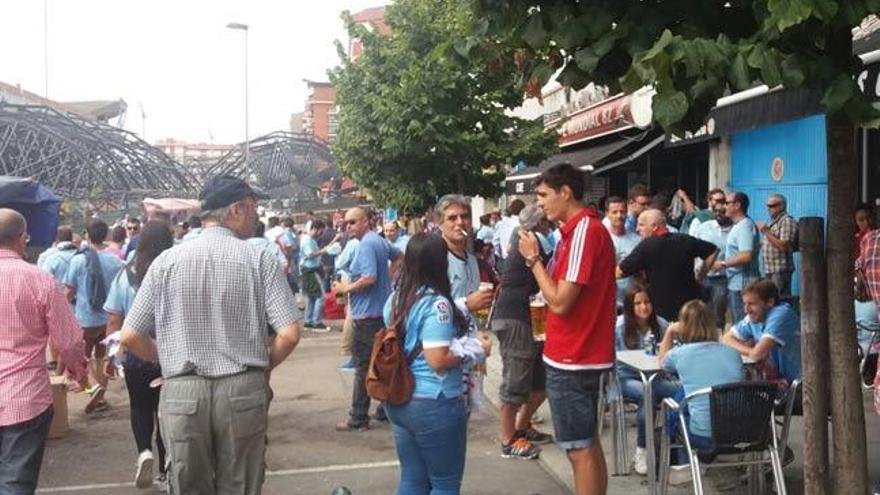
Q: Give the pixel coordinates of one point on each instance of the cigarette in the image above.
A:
(463, 232)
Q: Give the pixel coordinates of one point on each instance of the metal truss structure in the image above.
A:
(284, 164)
(84, 159)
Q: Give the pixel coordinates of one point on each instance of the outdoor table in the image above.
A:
(648, 367)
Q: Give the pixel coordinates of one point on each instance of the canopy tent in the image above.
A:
(37, 203)
(172, 205)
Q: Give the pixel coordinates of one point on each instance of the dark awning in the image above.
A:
(585, 157)
(646, 147)
(766, 109)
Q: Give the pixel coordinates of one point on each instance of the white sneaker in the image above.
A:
(680, 475)
(640, 461)
(143, 478)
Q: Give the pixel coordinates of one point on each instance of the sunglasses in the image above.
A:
(352, 221)
(132, 228)
(773, 205)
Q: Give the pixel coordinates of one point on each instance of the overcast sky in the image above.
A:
(177, 59)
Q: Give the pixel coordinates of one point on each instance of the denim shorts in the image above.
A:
(573, 396)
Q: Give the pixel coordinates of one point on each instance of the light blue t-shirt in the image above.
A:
(700, 365)
(620, 344)
(711, 231)
(464, 274)
(76, 277)
(120, 297)
(342, 263)
(269, 246)
(623, 245)
(743, 236)
(485, 234)
(401, 242)
(58, 263)
(784, 327)
(371, 260)
(430, 320)
(307, 246)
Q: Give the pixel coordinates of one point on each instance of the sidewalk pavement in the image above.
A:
(717, 481)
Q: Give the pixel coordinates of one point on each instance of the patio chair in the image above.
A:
(608, 381)
(791, 404)
(743, 425)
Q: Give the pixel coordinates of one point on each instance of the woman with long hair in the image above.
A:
(155, 238)
(634, 326)
(430, 431)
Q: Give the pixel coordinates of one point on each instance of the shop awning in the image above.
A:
(632, 156)
(583, 158)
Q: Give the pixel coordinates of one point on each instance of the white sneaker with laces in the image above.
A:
(640, 461)
(143, 478)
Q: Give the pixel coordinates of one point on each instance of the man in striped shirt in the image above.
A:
(34, 311)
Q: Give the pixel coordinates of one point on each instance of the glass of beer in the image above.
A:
(538, 312)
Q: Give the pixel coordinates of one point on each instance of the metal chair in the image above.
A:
(743, 424)
(868, 357)
(791, 404)
(608, 382)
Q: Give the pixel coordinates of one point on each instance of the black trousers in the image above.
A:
(144, 406)
(21, 454)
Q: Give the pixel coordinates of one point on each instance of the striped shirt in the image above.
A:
(34, 310)
(869, 263)
(207, 303)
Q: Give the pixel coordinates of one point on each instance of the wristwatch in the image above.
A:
(531, 260)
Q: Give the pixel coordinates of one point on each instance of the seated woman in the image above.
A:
(430, 431)
(637, 322)
(701, 361)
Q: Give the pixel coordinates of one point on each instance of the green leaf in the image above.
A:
(543, 72)
(770, 72)
(825, 10)
(631, 81)
(534, 34)
(659, 46)
(573, 35)
(597, 22)
(739, 73)
(838, 93)
(669, 107)
(792, 72)
(586, 59)
(788, 13)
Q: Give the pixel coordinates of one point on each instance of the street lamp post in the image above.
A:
(247, 145)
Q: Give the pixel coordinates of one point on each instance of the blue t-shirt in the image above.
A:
(430, 320)
(77, 276)
(712, 232)
(464, 274)
(401, 242)
(784, 327)
(700, 365)
(623, 245)
(307, 246)
(619, 343)
(58, 263)
(120, 297)
(743, 236)
(371, 260)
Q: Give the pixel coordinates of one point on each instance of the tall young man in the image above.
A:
(580, 292)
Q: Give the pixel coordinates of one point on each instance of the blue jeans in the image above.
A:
(716, 295)
(573, 396)
(314, 310)
(431, 440)
(634, 390)
(21, 453)
(736, 306)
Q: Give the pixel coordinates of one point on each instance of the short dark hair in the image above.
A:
(563, 174)
(486, 219)
(638, 190)
(274, 221)
(97, 230)
(515, 207)
(614, 199)
(743, 200)
(194, 221)
(765, 289)
(134, 221)
(317, 224)
(116, 235)
(713, 192)
(287, 222)
(65, 234)
(259, 229)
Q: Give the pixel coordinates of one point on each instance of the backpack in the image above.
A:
(389, 378)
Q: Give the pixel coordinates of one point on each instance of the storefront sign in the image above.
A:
(614, 114)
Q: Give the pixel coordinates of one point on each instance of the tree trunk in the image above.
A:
(850, 469)
(814, 353)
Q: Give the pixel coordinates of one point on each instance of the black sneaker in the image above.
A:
(519, 448)
(534, 436)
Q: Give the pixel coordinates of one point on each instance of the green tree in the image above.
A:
(692, 53)
(417, 121)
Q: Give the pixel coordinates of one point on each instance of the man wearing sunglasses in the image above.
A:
(778, 244)
(133, 231)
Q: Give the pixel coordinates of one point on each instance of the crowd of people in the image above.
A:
(197, 315)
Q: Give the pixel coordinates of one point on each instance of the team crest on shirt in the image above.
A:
(444, 314)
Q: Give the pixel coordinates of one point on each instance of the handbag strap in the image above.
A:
(396, 325)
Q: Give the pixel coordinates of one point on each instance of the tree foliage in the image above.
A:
(691, 52)
(417, 120)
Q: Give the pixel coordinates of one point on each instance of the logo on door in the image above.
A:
(777, 169)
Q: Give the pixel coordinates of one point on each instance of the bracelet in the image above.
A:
(531, 260)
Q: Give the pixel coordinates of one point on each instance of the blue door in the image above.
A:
(789, 158)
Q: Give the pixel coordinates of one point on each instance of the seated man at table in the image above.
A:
(770, 333)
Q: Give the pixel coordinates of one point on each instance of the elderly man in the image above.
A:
(208, 306)
(454, 215)
(778, 244)
(34, 311)
(395, 236)
(369, 288)
(668, 262)
(740, 252)
(624, 242)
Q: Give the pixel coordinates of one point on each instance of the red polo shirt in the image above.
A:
(584, 338)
